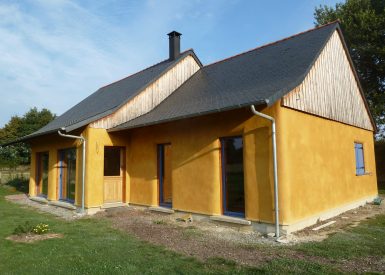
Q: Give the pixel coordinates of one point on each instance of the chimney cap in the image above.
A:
(174, 33)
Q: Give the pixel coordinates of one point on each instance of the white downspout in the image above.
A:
(83, 140)
(274, 167)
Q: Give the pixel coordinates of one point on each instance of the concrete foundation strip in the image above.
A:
(324, 225)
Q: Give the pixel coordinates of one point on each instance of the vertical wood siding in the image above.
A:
(151, 96)
(330, 89)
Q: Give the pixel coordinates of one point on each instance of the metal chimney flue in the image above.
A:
(174, 44)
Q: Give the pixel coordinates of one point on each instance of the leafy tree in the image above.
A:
(363, 25)
(18, 127)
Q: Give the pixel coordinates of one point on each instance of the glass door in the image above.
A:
(67, 174)
(164, 175)
(42, 174)
(232, 176)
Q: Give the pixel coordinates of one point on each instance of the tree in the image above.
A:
(363, 25)
(18, 127)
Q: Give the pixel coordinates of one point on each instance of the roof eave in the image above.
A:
(263, 102)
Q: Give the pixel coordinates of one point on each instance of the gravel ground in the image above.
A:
(206, 239)
(42, 207)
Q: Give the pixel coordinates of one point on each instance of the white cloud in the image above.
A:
(55, 53)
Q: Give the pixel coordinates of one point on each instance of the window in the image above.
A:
(360, 165)
(111, 161)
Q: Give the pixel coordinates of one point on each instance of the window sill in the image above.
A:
(364, 174)
(162, 209)
(229, 219)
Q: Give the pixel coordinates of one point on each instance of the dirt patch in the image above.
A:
(205, 239)
(363, 265)
(31, 238)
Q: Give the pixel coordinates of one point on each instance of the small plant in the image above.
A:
(159, 222)
(41, 228)
(23, 228)
(27, 227)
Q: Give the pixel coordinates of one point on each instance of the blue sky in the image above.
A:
(54, 53)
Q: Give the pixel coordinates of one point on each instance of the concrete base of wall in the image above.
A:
(162, 209)
(113, 205)
(63, 204)
(325, 215)
(228, 219)
(38, 199)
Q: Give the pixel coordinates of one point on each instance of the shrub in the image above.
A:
(27, 227)
(23, 228)
(20, 184)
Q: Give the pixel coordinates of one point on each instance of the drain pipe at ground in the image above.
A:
(83, 140)
(274, 167)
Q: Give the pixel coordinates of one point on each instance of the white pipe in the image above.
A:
(274, 167)
(83, 140)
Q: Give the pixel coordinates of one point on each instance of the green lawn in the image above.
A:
(91, 246)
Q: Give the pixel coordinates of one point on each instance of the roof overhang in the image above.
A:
(261, 103)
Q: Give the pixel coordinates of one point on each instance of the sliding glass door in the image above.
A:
(67, 174)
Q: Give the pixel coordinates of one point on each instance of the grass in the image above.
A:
(92, 246)
(366, 240)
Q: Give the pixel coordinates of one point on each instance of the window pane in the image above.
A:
(167, 185)
(111, 161)
(71, 177)
(42, 173)
(164, 172)
(233, 174)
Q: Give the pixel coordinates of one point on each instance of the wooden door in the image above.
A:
(113, 174)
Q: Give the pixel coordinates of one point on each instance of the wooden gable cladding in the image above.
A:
(152, 95)
(330, 89)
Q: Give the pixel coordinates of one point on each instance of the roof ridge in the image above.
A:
(273, 43)
(145, 69)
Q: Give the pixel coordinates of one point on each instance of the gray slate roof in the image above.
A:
(260, 76)
(108, 98)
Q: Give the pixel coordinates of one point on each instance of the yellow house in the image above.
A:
(180, 136)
